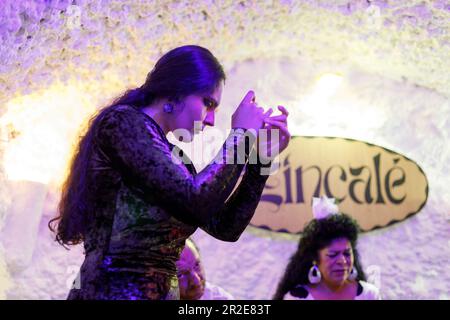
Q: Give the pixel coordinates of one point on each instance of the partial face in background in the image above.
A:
(191, 275)
(336, 261)
(200, 108)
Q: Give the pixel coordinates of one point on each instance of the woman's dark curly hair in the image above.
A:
(318, 234)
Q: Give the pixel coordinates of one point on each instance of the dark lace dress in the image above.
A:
(145, 204)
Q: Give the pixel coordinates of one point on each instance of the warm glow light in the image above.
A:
(327, 85)
(318, 101)
(333, 109)
(40, 130)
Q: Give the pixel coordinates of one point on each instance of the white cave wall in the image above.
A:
(59, 60)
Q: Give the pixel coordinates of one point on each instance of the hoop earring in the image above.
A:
(353, 274)
(168, 108)
(314, 275)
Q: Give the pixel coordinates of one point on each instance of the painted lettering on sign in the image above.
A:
(374, 185)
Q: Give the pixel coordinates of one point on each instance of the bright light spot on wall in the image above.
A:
(317, 103)
(39, 131)
(327, 85)
(333, 109)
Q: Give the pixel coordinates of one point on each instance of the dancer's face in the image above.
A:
(191, 275)
(199, 108)
(336, 261)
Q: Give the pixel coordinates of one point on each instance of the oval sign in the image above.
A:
(374, 185)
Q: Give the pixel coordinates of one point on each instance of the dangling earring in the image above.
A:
(353, 274)
(314, 275)
(168, 107)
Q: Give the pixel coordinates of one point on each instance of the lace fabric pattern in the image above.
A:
(144, 205)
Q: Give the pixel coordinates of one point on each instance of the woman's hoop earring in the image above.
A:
(168, 107)
(353, 274)
(314, 275)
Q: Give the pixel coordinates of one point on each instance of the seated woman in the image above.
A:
(326, 265)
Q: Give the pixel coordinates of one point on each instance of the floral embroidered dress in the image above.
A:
(145, 204)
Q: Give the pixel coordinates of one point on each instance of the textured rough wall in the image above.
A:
(109, 44)
(5, 280)
(394, 58)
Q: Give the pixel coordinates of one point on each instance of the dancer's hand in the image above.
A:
(269, 149)
(248, 114)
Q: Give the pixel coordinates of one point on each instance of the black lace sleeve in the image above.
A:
(140, 151)
(230, 221)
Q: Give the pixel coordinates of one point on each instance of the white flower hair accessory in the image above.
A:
(323, 207)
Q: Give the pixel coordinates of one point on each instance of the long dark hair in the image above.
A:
(179, 73)
(318, 234)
